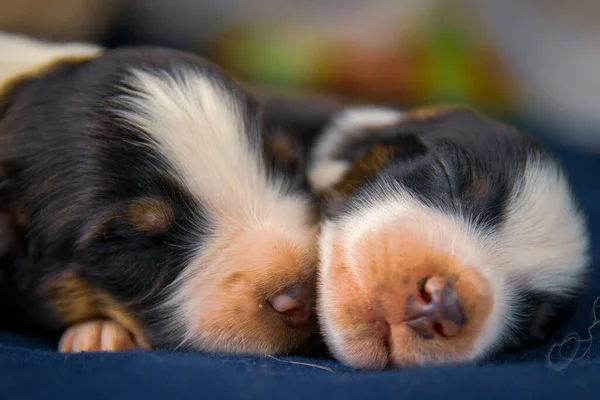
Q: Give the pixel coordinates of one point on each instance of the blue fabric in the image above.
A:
(568, 367)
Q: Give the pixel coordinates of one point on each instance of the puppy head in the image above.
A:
(249, 281)
(441, 228)
(152, 166)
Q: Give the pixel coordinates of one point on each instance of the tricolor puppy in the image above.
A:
(446, 236)
(149, 205)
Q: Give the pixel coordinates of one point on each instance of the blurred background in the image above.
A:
(532, 60)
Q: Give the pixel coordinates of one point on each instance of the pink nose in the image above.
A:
(294, 304)
(436, 310)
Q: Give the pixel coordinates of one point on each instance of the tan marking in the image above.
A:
(96, 335)
(150, 216)
(282, 148)
(364, 168)
(232, 280)
(74, 301)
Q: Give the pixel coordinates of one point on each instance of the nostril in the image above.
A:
(438, 328)
(293, 305)
(421, 287)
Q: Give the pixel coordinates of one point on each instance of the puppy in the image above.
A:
(151, 208)
(446, 236)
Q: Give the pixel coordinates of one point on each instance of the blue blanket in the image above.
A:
(567, 367)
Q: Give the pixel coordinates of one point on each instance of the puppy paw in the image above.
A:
(96, 335)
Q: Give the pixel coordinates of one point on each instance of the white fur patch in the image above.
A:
(324, 169)
(544, 239)
(20, 54)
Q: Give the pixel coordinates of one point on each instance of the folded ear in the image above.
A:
(356, 132)
(361, 141)
(374, 156)
(357, 143)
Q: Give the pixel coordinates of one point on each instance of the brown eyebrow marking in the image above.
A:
(150, 216)
(365, 167)
(232, 280)
(281, 148)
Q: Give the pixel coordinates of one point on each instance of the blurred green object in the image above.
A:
(441, 59)
(271, 60)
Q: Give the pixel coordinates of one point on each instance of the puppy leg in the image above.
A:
(98, 335)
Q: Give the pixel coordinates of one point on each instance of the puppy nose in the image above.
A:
(294, 304)
(437, 309)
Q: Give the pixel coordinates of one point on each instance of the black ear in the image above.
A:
(369, 158)
(355, 152)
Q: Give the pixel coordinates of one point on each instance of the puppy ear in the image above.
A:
(356, 146)
(355, 132)
(346, 137)
(375, 154)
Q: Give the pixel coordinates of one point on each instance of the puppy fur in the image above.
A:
(441, 192)
(148, 198)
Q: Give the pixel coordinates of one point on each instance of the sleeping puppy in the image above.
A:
(151, 209)
(446, 236)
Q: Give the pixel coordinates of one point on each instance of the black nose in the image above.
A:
(436, 310)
